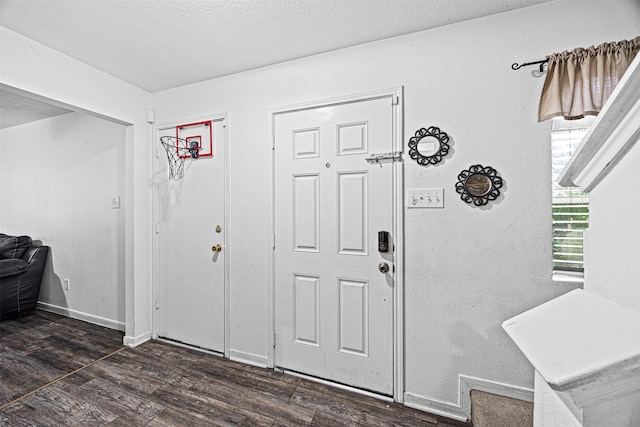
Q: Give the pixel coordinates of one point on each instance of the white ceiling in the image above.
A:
(17, 109)
(160, 44)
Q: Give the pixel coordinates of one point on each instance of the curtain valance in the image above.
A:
(579, 82)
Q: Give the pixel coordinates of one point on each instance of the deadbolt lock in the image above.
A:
(218, 229)
(383, 267)
(216, 248)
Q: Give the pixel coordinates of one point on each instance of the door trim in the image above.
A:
(159, 156)
(396, 96)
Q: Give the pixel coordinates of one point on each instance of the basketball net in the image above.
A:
(178, 150)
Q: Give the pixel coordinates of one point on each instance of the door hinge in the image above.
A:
(274, 340)
(273, 141)
(393, 156)
(157, 228)
(157, 303)
(394, 100)
(274, 241)
(157, 152)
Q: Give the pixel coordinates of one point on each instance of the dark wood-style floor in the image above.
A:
(57, 371)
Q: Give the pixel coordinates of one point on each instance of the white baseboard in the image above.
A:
(248, 358)
(462, 410)
(136, 341)
(470, 383)
(436, 407)
(74, 314)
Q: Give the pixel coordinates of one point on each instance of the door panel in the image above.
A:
(354, 317)
(333, 307)
(306, 309)
(353, 205)
(306, 218)
(191, 289)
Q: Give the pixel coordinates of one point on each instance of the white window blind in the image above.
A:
(570, 205)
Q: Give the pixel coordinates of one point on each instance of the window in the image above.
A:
(570, 205)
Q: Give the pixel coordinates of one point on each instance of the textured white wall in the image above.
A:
(467, 269)
(58, 178)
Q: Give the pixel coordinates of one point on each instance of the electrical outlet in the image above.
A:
(65, 284)
(425, 198)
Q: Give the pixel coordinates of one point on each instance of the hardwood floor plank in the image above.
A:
(336, 410)
(207, 408)
(125, 421)
(172, 417)
(447, 422)
(320, 396)
(258, 381)
(263, 372)
(58, 362)
(319, 401)
(65, 409)
(118, 400)
(23, 415)
(27, 338)
(158, 355)
(362, 418)
(254, 401)
(147, 368)
(135, 382)
(24, 373)
(167, 353)
(47, 315)
(152, 370)
(7, 393)
(19, 324)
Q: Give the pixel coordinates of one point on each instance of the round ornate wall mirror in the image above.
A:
(479, 185)
(428, 146)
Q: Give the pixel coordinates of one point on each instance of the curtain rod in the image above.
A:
(515, 66)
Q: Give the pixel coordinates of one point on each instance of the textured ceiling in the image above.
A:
(160, 44)
(17, 109)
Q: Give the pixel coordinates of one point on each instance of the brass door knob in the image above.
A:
(216, 248)
(383, 267)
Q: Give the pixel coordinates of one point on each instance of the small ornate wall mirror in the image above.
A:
(479, 185)
(428, 146)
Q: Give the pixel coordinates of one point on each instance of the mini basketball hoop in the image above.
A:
(177, 150)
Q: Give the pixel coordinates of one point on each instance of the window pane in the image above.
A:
(570, 205)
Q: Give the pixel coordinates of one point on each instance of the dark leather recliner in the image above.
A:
(21, 267)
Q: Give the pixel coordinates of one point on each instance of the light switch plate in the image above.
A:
(425, 198)
(115, 203)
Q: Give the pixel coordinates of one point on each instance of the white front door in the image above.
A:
(191, 219)
(334, 308)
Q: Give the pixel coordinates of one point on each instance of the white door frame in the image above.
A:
(396, 96)
(161, 157)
